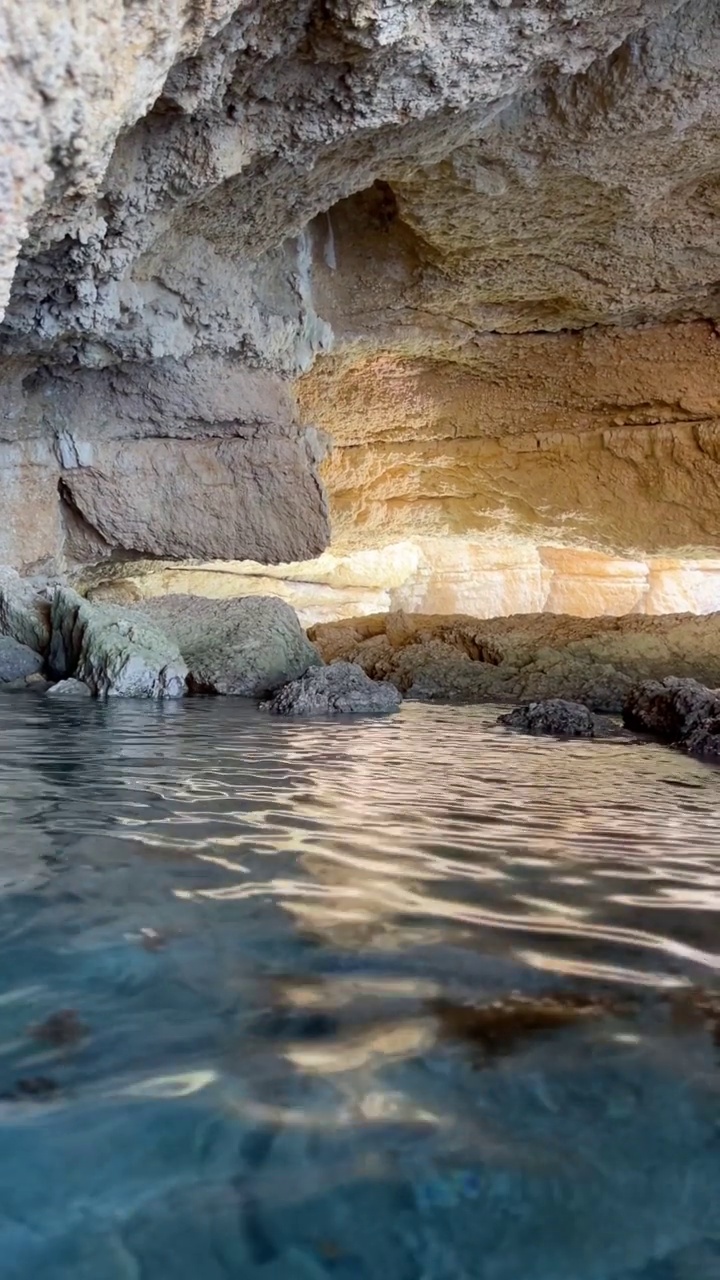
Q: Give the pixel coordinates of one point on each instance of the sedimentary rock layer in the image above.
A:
(501, 217)
(433, 575)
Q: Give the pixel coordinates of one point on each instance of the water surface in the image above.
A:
(231, 952)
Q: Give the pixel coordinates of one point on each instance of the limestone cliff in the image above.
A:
(479, 237)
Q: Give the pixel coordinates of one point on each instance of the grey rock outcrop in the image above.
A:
(681, 712)
(115, 653)
(24, 610)
(17, 661)
(247, 646)
(553, 716)
(339, 689)
(70, 688)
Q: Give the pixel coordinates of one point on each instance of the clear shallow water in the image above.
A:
(253, 924)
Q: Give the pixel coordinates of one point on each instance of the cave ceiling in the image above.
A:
(285, 269)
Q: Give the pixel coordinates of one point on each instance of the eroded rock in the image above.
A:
(553, 716)
(502, 217)
(681, 712)
(247, 646)
(114, 652)
(529, 657)
(339, 689)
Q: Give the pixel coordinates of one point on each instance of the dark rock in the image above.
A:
(35, 1088)
(340, 689)
(682, 712)
(17, 661)
(552, 715)
(60, 1029)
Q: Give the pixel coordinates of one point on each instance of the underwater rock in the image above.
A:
(502, 1026)
(60, 1029)
(32, 1088)
(553, 716)
(115, 652)
(682, 712)
(339, 689)
(247, 646)
(69, 689)
(17, 661)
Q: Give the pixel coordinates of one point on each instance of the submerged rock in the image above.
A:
(115, 652)
(17, 661)
(69, 689)
(682, 712)
(339, 689)
(248, 646)
(554, 716)
(504, 1025)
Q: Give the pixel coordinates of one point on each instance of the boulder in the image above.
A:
(682, 712)
(554, 716)
(340, 689)
(24, 610)
(116, 652)
(70, 688)
(17, 661)
(248, 646)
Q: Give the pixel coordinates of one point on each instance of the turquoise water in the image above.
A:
(228, 948)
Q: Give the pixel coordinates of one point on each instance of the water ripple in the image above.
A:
(233, 955)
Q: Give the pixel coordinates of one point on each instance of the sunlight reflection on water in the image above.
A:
(258, 925)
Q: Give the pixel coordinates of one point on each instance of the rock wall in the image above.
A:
(432, 575)
(481, 237)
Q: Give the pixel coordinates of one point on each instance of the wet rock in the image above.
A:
(681, 712)
(553, 716)
(17, 661)
(340, 689)
(248, 646)
(69, 689)
(116, 652)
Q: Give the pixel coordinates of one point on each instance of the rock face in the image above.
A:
(503, 218)
(595, 661)
(682, 712)
(247, 647)
(113, 652)
(339, 689)
(553, 716)
(24, 611)
(16, 660)
(429, 575)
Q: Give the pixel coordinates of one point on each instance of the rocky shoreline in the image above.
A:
(660, 673)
